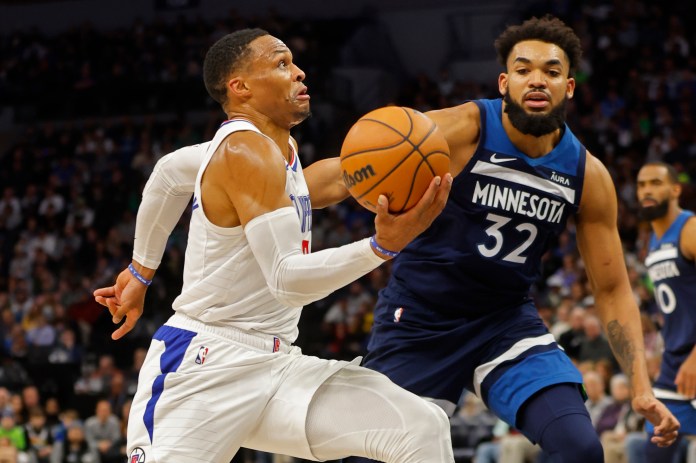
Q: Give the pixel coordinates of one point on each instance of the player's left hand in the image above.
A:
(686, 377)
(666, 425)
(395, 231)
(125, 298)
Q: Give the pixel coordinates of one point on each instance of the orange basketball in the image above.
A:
(394, 151)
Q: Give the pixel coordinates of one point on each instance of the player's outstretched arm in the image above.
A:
(600, 247)
(165, 197)
(167, 193)
(126, 297)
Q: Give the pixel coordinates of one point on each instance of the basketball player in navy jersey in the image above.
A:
(672, 269)
(222, 373)
(456, 313)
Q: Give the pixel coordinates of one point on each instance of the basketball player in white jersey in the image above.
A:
(222, 372)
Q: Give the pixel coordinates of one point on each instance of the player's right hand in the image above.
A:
(666, 424)
(125, 298)
(395, 231)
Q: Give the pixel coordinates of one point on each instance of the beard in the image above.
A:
(651, 213)
(535, 124)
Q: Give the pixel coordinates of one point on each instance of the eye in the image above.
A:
(554, 73)
(522, 71)
(282, 63)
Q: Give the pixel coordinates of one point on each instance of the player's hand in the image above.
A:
(666, 425)
(125, 298)
(686, 377)
(395, 231)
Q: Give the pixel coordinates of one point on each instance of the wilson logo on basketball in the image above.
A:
(358, 176)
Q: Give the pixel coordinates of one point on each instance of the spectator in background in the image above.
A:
(572, 338)
(103, 432)
(38, 436)
(75, 448)
(597, 399)
(5, 401)
(594, 346)
(10, 430)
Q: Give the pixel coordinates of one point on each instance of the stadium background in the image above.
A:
(93, 93)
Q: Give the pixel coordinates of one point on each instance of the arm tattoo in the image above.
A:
(623, 347)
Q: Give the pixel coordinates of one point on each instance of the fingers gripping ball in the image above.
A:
(394, 151)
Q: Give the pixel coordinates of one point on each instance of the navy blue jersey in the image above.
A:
(484, 251)
(674, 277)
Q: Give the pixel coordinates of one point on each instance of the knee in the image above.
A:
(583, 451)
(437, 423)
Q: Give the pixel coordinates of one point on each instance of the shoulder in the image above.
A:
(461, 127)
(242, 155)
(248, 146)
(598, 192)
(460, 115)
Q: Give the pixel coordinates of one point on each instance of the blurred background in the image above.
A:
(94, 93)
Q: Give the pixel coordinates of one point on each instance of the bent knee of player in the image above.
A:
(427, 436)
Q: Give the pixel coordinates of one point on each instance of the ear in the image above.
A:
(676, 190)
(237, 88)
(570, 88)
(502, 83)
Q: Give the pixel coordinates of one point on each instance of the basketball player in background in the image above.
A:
(670, 264)
(456, 313)
(222, 373)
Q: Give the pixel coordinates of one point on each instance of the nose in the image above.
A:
(300, 75)
(537, 79)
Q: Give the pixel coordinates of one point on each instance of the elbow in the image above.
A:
(288, 298)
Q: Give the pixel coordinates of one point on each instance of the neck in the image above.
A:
(661, 225)
(280, 135)
(534, 147)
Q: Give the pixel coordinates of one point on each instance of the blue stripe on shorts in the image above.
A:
(521, 381)
(176, 342)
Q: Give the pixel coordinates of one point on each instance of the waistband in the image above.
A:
(260, 341)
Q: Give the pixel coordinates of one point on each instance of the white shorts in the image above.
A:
(204, 392)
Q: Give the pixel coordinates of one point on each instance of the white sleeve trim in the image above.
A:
(296, 279)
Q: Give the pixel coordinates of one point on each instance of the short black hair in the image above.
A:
(672, 173)
(547, 29)
(225, 57)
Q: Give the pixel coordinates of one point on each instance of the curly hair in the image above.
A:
(224, 57)
(547, 29)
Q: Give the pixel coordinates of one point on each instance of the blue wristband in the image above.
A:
(378, 248)
(138, 276)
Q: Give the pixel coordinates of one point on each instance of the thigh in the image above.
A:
(298, 381)
(351, 411)
(198, 397)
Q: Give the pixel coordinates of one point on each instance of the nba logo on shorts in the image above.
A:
(397, 314)
(202, 353)
(276, 344)
(137, 456)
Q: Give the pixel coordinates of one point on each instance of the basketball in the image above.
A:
(395, 151)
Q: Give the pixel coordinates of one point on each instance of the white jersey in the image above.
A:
(223, 283)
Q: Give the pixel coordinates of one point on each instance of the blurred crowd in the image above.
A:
(100, 108)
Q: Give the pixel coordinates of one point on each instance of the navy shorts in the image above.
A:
(504, 357)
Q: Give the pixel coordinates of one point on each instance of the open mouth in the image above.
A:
(536, 100)
(302, 94)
